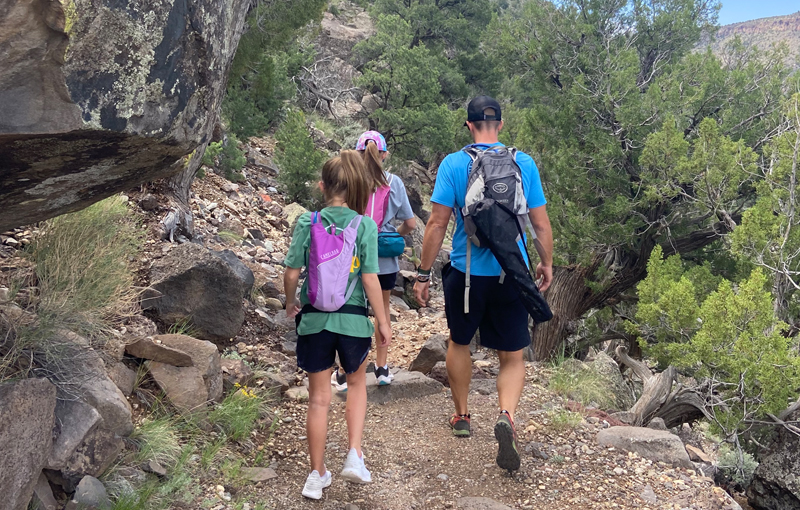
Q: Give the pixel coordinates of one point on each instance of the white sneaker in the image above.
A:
(339, 381)
(315, 484)
(383, 375)
(354, 469)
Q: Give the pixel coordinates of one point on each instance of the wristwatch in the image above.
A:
(423, 275)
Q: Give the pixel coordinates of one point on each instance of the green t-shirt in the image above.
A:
(365, 260)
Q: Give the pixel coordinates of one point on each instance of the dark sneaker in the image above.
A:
(383, 375)
(508, 451)
(460, 425)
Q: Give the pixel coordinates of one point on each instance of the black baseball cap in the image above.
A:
(483, 108)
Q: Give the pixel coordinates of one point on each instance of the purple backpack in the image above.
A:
(329, 263)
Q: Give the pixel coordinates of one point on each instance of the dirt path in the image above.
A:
(416, 463)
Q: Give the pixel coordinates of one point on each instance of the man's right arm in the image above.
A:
(435, 231)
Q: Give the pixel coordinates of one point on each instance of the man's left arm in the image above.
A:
(543, 244)
(540, 221)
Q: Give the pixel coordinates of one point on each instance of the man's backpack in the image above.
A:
(330, 260)
(494, 215)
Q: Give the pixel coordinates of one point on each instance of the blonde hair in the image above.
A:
(345, 176)
(374, 164)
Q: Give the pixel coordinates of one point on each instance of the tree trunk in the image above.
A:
(567, 299)
(179, 220)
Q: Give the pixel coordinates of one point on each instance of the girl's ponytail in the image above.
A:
(346, 177)
(374, 163)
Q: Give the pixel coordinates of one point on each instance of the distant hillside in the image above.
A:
(763, 33)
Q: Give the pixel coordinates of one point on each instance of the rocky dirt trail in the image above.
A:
(415, 461)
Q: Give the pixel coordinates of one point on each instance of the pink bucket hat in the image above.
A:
(371, 136)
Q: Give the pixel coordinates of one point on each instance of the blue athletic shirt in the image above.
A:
(450, 190)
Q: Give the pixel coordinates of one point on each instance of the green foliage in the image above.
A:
(298, 158)
(580, 382)
(561, 419)
(729, 336)
(210, 155)
(769, 234)
(238, 414)
(83, 266)
(266, 58)
(157, 440)
(736, 466)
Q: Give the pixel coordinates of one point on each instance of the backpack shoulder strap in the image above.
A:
(473, 152)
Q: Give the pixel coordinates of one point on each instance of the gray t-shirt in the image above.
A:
(398, 209)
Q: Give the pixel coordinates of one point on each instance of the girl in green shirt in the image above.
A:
(322, 334)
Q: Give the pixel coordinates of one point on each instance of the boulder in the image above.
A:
(276, 382)
(776, 484)
(43, 495)
(95, 99)
(184, 386)
(150, 348)
(434, 350)
(612, 378)
(697, 454)
(89, 381)
(27, 413)
(191, 283)
(292, 212)
(122, 376)
(91, 494)
(205, 358)
(405, 385)
(242, 271)
(235, 371)
(96, 453)
(74, 420)
(655, 445)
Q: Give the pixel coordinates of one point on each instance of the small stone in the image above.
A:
(443, 477)
(273, 304)
(155, 468)
(288, 419)
(259, 474)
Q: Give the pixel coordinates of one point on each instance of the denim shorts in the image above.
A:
(317, 352)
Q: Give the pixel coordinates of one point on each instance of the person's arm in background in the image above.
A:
(407, 226)
(372, 286)
(543, 244)
(435, 230)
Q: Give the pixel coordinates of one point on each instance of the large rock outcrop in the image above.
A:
(776, 483)
(98, 97)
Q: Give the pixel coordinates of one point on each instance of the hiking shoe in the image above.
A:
(460, 425)
(383, 375)
(354, 469)
(315, 484)
(508, 450)
(339, 380)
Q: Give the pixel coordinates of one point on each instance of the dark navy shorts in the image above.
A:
(388, 281)
(494, 308)
(317, 352)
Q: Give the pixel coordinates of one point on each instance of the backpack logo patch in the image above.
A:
(500, 188)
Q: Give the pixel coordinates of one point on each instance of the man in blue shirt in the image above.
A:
(494, 307)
